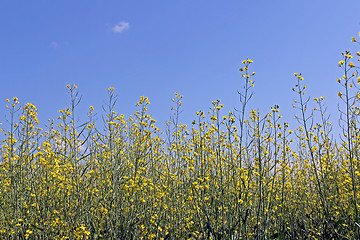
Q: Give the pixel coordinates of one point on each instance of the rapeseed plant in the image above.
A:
(239, 175)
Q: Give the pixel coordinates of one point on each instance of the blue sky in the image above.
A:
(155, 48)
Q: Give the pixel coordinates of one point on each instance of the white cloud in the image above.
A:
(120, 27)
(54, 45)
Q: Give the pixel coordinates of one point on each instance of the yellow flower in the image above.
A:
(341, 63)
(213, 118)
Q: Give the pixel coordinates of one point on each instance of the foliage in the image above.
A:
(223, 177)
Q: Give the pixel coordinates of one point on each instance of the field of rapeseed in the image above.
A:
(242, 175)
